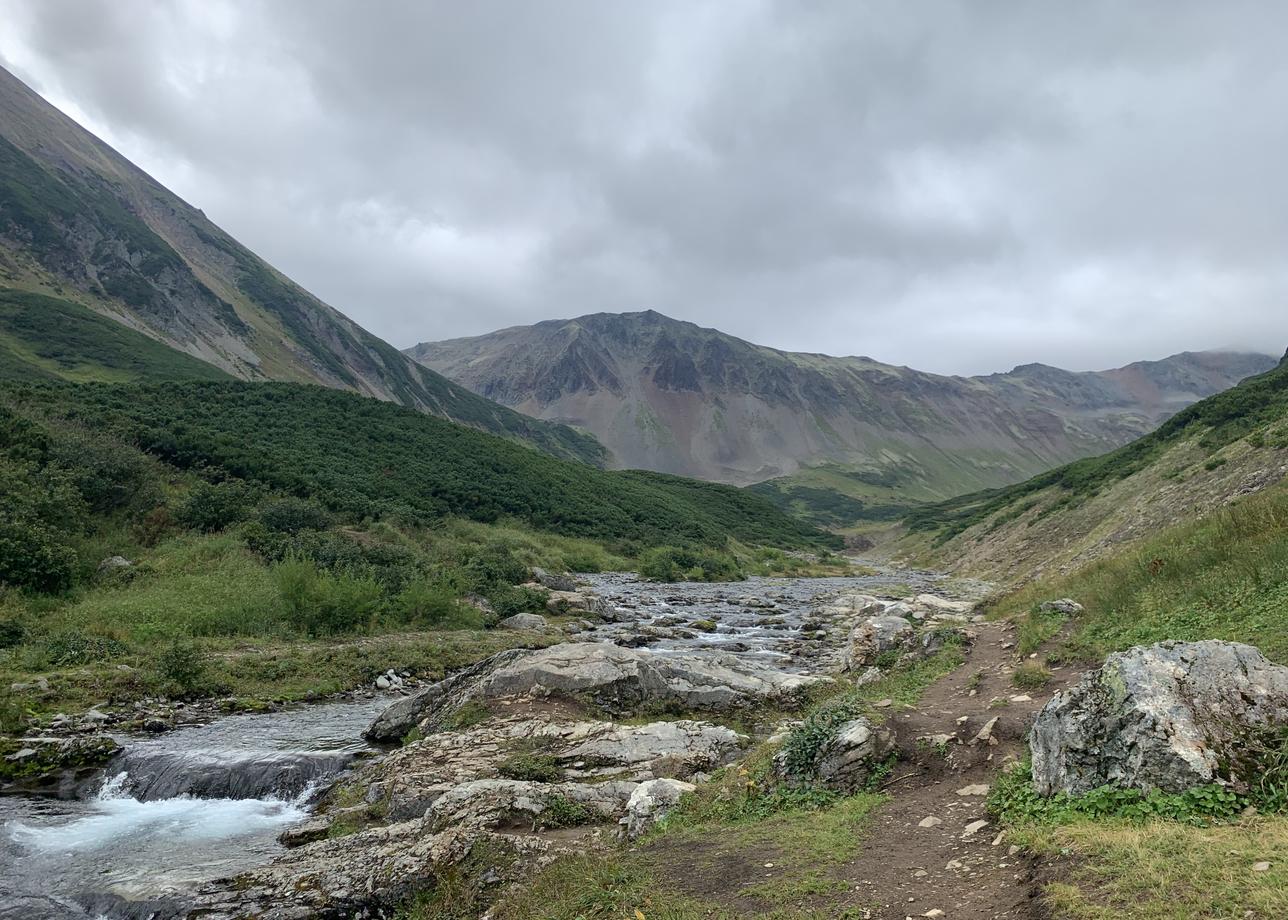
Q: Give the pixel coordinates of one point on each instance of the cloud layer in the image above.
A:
(958, 186)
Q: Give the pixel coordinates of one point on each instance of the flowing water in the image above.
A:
(172, 812)
(207, 802)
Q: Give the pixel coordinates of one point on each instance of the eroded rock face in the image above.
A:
(617, 679)
(1156, 717)
(519, 804)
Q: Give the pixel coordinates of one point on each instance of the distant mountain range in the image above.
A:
(674, 397)
(81, 225)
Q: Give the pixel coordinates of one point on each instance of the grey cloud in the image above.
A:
(959, 186)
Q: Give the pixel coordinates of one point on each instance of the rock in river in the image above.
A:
(619, 680)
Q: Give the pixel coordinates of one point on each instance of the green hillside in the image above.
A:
(1249, 411)
(47, 338)
(80, 222)
(362, 458)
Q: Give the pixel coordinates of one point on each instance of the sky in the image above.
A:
(955, 186)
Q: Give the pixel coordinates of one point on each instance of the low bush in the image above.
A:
(322, 602)
(675, 563)
(211, 507)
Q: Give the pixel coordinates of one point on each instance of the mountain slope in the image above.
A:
(80, 222)
(1226, 446)
(369, 459)
(671, 396)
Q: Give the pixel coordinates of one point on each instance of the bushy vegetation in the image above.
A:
(361, 458)
(673, 563)
(1218, 420)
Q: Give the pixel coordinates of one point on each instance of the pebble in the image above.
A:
(974, 828)
(1261, 867)
(931, 821)
(975, 789)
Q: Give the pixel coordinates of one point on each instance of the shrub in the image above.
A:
(1031, 676)
(214, 506)
(288, 514)
(536, 768)
(321, 602)
(74, 647)
(432, 603)
(517, 599)
(183, 664)
(561, 811)
(494, 566)
(674, 563)
(34, 557)
(108, 475)
(12, 633)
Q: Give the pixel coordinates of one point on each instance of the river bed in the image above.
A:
(206, 802)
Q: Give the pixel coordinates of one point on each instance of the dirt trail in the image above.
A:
(906, 870)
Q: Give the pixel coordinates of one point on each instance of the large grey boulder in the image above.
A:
(554, 581)
(617, 679)
(509, 803)
(1158, 717)
(650, 803)
(679, 748)
(873, 636)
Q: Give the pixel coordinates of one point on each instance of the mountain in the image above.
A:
(1204, 458)
(81, 224)
(672, 396)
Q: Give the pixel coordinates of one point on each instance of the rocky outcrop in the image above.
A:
(518, 804)
(555, 582)
(1163, 717)
(617, 680)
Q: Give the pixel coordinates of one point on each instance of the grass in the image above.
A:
(1161, 870)
(1222, 577)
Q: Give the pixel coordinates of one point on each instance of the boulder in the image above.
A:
(937, 604)
(651, 802)
(113, 564)
(1163, 717)
(513, 804)
(576, 603)
(552, 581)
(846, 760)
(523, 621)
(872, 636)
(619, 680)
(1065, 607)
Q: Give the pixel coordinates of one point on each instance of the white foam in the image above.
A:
(116, 819)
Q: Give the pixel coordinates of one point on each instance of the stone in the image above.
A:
(617, 679)
(479, 603)
(1158, 717)
(552, 581)
(1261, 867)
(1065, 607)
(975, 789)
(930, 821)
(985, 734)
(651, 802)
(846, 761)
(113, 564)
(942, 604)
(875, 635)
(970, 830)
(523, 621)
(504, 803)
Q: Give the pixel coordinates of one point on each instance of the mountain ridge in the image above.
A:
(672, 396)
(80, 222)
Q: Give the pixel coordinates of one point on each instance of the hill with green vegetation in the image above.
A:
(80, 223)
(48, 339)
(1232, 444)
(289, 513)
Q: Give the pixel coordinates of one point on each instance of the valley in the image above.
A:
(623, 617)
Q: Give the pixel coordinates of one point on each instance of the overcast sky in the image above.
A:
(960, 187)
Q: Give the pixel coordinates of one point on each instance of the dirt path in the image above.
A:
(906, 870)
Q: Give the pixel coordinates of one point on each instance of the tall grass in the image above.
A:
(1222, 577)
